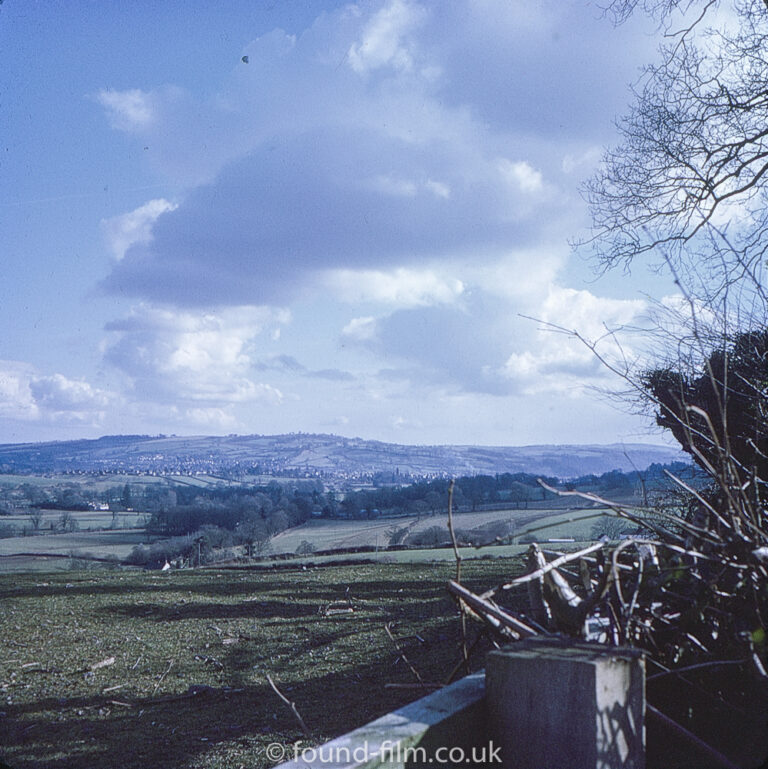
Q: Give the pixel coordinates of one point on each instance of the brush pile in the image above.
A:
(691, 587)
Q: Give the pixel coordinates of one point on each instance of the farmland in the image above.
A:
(95, 538)
(137, 669)
(554, 523)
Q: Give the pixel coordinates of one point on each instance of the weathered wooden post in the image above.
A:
(563, 704)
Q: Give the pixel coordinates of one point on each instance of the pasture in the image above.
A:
(327, 534)
(95, 538)
(136, 670)
(91, 537)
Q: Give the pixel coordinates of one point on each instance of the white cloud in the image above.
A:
(57, 393)
(484, 344)
(313, 169)
(125, 230)
(417, 166)
(561, 362)
(583, 162)
(182, 356)
(521, 174)
(27, 395)
(128, 110)
(521, 277)
(590, 314)
(386, 39)
(16, 400)
(211, 418)
(402, 287)
(400, 422)
(360, 329)
(439, 189)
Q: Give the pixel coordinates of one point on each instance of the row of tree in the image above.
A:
(514, 489)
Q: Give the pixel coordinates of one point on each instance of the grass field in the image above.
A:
(102, 544)
(95, 538)
(137, 670)
(326, 534)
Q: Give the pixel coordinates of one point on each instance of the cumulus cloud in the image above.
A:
(303, 166)
(212, 418)
(125, 230)
(386, 39)
(485, 344)
(127, 110)
(27, 395)
(181, 356)
(360, 329)
(16, 399)
(560, 361)
(57, 393)
(273, 222)
(522, 175)
(406, 174)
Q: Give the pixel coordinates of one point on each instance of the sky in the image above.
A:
(317, 216)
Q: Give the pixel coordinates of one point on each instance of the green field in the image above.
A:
(545, 524)
(100, 670)
(95, 538)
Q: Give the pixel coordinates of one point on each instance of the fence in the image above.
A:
(543, 703)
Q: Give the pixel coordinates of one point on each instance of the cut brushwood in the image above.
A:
(501, 620)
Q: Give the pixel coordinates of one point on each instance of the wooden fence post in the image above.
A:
(563, 704)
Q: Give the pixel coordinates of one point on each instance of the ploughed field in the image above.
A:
(141, 669)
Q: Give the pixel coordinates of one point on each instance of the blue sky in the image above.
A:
(309, 216)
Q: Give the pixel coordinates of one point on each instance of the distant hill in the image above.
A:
(311, 454)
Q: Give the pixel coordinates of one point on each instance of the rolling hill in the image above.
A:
(328, 455)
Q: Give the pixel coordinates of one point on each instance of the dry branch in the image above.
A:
(401, 654)
(722, 760)
(539, 573)
(457, 555)
(490, 612)
(167, 670)
(103, 664)
(291, 705)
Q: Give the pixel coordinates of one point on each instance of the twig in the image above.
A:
(167, 670)
(452, 532)
(488, 610)
(697, 666)
(724, 761)
(539, 573)
(463, 617)
(483, 632)
(103, 663)
(413, 686)
(402, 655)
(291, 705)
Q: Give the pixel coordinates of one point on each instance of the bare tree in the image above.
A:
(689, 184)
(688, 180)
(36, 518)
